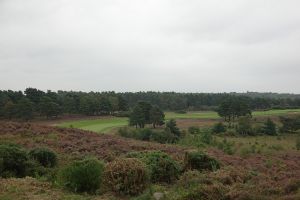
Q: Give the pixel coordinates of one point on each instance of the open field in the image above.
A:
(214, 115)
(205, 118)
(97, 125)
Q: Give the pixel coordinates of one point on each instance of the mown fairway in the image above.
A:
(214, 115)
(97, 125)
(105, 125)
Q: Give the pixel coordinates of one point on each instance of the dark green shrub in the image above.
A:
(180, 112)
(298, 143)
(12, 161)
(171, 125)
(127, 132)
(34, 169)
(269, 127)
(200, 161)
(122, 114)
(214, 191)
(45, 157)
(163, 137)
(194, 130)
(245, 126)
(143, 134)
(219, 128)
(127, 176)
(83, 176)
(290, 124)
(161, 166)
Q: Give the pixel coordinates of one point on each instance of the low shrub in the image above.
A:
(83, 176)
(298, 143)
(269, 127)
(122, 114)
(192, 178)
(206, 137)
(214, 191)
(127, 176)
(163, 137)
(194, 130)
(200, 161)
(44, 156)
(127, 132)
(12, 161)
(146, 134)
(35, 169)
(246, 151)
(244, 126)
(180, 111)
(226, 146)
(219, 128)
(161, 166)
(292, 186)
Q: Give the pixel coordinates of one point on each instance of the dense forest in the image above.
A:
(33, 102)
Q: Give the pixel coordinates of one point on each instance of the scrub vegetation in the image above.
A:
(233, 152)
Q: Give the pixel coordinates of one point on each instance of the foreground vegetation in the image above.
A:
(179, 171)
(154, 158)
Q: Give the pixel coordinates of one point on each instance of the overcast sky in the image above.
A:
(157, 45)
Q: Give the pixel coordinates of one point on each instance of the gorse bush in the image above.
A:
(200, 161)
(126, 176)
(161, 166)
(45, 157)
(83, 176)
(244, 126)
(269, 127)
(13, 161)
(161, 136)
(219, 128)
(194, 130)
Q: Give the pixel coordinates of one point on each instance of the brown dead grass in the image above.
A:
(75, 142)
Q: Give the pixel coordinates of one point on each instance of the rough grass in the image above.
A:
(264, 145)
(30, 188)
(97, 125)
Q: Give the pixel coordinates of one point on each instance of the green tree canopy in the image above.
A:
(157, 116)
(25, 109)
(49, 108)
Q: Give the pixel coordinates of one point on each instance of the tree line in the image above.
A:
(34, 102)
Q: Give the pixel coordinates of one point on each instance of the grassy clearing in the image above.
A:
(214, 115)
(97, 125)
(106, 125)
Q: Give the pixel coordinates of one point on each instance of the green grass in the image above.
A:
(262, 144)
(214, 115)
(105, 125)
(98, 125)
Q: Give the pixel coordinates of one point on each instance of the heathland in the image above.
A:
(118, 146)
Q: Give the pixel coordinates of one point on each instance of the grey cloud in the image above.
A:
(166, 45)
